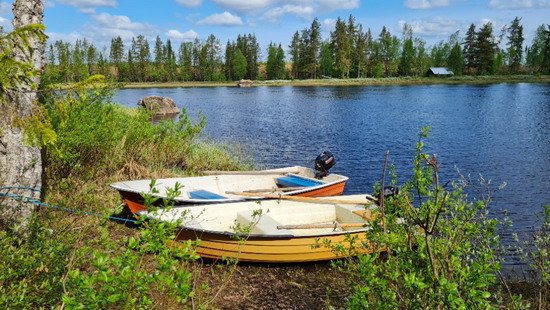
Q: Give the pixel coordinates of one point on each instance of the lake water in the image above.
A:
(501, 132)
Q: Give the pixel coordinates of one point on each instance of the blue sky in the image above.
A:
(273, 20)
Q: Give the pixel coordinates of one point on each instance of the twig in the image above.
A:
(382, 208)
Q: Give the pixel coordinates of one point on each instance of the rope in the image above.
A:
(39, 203)
(34, 189)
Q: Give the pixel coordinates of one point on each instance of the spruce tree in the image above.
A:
(515, 45)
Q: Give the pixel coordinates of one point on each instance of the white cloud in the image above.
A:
(103, 27)
(223, 19)
(329, 23)
(5, 8)
(298, 10)
(5, 23)
(189, 3)
(66, 37)
(118, 22)
(244, 5)
(89, 6)
(189, 35)
(438, 26)
(519, 4)
(333, 5)
(426, 4)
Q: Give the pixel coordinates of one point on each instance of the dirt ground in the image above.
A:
(261, 286)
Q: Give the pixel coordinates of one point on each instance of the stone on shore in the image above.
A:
(162, 106)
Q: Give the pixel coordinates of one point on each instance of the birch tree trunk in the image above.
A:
(21, 164)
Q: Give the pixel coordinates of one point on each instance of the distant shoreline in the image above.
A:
(400, 81)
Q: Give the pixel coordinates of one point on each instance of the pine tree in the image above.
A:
(388, 50)
(312, 50)
(421, 61)
(116, 55)
(295, 52)
(170, 64)
(469, 50)
(535, 52)
(212, 61)
(353, 54)
(92, 56)
(270, 66)
(280, 63)
(545, 66)
(485, 49)
(159, 74)
(455, 60)
(79, 70)
(408, 52)
(341, 48)
(229, 56)
(185, 61)
(362, 47)
(326, 60)
(515, 45)
(239, 64)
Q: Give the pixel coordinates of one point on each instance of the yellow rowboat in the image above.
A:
(275, 231)
(222, 187)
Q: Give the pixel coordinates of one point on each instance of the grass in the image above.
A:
(486, 79)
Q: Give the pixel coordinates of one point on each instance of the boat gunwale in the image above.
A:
(267, 236)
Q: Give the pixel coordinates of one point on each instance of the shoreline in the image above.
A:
(395, 81)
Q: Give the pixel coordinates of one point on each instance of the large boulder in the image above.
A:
(162, 106)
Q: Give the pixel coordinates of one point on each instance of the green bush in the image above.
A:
(89, 134)
(440, 248)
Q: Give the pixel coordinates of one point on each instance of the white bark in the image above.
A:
(20, 164)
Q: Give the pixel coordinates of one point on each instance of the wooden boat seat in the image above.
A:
(297, 181)
(204, 194)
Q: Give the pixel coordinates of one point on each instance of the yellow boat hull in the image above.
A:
(277, 249)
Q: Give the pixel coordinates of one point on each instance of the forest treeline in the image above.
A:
(349, 52)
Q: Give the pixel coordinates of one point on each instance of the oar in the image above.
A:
(273, 190)
(366, 214)
(315, 226)
(252, 172)
(305, 199)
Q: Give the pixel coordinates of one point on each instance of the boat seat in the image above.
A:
(265, 225)
(204, 194)
(297, 181)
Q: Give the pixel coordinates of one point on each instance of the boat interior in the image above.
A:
(269, 218)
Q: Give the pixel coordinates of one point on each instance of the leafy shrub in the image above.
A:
(441, 248)
(94, 136)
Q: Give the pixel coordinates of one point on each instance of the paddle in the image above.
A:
(315, 226)
(253, 172)
(274, 190)
(305, 199)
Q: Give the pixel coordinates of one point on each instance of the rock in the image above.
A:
(245, 83)
(162, 106)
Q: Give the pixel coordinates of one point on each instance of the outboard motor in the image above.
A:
(389, 191)
(323, 163)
